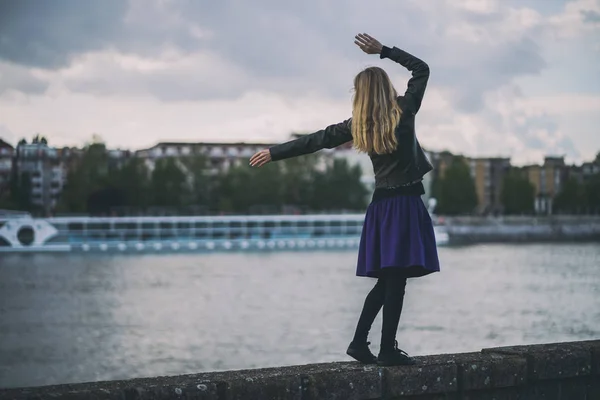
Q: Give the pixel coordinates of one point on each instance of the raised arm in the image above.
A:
(328, 138)
(420, 70)
(420, 75)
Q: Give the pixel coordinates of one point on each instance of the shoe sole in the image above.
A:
(361, 360)
(391, 364)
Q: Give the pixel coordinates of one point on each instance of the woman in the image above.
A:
(397, 240)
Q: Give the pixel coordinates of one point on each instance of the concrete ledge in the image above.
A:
(552, 371)
(556, 360)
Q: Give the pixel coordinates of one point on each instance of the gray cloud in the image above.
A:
(567, 147)
(20, 79)
(290, 48)
(47, 34)
(7, 135)
(277, 44)
(591, 16)
(527, 130)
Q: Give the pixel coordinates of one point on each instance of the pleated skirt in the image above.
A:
(397, 233)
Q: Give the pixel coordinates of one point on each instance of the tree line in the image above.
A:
(457, 195)
(97, 184)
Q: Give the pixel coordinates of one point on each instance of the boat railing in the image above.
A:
(11, 214)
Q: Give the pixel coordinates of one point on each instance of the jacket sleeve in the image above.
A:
(328, 138)
(420, 75)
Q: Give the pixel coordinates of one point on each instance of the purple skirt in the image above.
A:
(397, 233)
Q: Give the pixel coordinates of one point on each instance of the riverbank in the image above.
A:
(465, 230)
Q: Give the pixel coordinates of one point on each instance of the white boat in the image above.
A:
(22, 233)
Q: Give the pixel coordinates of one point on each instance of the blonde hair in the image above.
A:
(375, 112)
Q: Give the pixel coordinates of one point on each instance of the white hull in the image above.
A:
(184, 234)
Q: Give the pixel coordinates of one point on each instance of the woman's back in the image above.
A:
(396, 154)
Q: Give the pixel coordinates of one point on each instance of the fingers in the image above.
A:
(367, 44)
(261, 158)
(260, 162)
(257, 160)
(361, 40)
(369, 37)
(365, 38)
(362, 46)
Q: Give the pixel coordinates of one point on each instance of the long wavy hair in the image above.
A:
(375, 112)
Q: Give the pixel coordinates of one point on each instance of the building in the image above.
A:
(547, 180)
(118, 158)
(220, 155)
(488, 175)
(589, 169)
(441, 161)
(6, 161)
(41, 165)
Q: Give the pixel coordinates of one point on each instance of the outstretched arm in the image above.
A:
(420, 70)
(420, 75)
(328, 138)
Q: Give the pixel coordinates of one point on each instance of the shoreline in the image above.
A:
(547, 229)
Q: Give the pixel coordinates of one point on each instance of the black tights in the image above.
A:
(388, 293)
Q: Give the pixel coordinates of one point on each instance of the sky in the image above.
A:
(509, 78)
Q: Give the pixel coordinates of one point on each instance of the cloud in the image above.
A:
(153, 70)
(20, 79)
(591, 16)
(7, 135)
(302, 46)
(48, 34)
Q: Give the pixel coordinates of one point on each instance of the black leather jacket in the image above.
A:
(405, 165)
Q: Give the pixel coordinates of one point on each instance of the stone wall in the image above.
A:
(549, 371)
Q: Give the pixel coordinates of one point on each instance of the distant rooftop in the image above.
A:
(5, 145)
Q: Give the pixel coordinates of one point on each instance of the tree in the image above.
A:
(592, 190)
(133, 181)
(571, 199)
(339, 187)
(297, 185)
(243, 188)
(168, 184)
(87, 175)
(517, 193)
(202, 187)
(18, 195)
(455, 192)
(295, 182)
(103, 200)
(23, 194)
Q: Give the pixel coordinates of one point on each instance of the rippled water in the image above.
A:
(71, 318)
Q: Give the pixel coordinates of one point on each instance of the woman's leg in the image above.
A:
(373, 303)
(395, 285)
(359, 347)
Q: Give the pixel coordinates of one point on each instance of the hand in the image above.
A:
(368, 44)
(261, 158)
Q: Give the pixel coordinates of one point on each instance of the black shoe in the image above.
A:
(394, 357)
(361, 353)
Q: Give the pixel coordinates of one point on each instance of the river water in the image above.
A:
(77, 318)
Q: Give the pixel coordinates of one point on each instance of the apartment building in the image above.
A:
(441, 161)
(547, 180)
(6, 159)
(488, 174)
(220, 155)
(41, 164)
